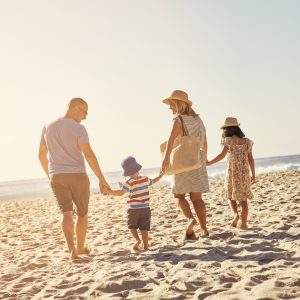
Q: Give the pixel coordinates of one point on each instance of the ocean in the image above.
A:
(30, 189)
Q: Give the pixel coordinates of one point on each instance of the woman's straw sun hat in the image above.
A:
(230, 121)
(178, 95)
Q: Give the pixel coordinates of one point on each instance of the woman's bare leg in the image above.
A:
(200, 210)
(186, 210)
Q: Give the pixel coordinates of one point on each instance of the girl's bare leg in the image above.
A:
(200, 210)
(244, 214)
(236, 218)
(135, 234)
(145, 238)
(186, 210)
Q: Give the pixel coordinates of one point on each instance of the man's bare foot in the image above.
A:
(137, 246)
(204, 233)
(86, 250)
(189, 229)
(73, 254)
(235, 221)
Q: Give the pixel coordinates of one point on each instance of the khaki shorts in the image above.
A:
(71, 188)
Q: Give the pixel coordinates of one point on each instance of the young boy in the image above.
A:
(137, 188)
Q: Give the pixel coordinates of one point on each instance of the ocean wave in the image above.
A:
(36, 188)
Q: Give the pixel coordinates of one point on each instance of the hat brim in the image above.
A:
(231, 125)
(167, 101)
(133, 170)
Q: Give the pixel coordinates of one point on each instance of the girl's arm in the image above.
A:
(176, 130)
(115, 192)
(161, 174)
(252, 166)
(219, 157)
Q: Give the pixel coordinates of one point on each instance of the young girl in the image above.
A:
(238, 180)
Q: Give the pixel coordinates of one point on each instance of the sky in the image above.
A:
(233, 58)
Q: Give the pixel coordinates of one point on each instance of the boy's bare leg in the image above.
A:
(67, 226)
(186, 210)
(135, 234)
(244, 214)
(81, 229)
(236, 218)
(145, 238)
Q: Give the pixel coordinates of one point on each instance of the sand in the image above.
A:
(262, 262)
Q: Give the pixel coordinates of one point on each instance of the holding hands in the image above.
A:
(104, 187)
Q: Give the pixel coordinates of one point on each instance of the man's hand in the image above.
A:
(253, 180)
(104, 188)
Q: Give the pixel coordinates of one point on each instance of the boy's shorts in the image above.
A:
(139, 218)
(69, 188)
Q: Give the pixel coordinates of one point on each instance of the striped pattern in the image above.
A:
(195, 180)
(138, 191)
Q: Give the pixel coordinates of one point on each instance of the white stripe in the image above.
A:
(137, 202)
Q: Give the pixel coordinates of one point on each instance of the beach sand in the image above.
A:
(262, 262)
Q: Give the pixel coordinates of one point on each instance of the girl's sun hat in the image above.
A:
(178, 95)
(130, 166)
(230, 121)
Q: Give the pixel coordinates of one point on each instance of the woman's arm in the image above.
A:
(218, 157)
(252, 166)
(176, 130)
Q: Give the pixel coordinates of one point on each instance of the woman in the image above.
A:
(193, 182)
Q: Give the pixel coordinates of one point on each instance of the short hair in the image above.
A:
(75, 102)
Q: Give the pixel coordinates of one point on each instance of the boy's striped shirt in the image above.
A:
(138, 191)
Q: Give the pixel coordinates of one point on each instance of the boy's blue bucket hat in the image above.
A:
(130, 166)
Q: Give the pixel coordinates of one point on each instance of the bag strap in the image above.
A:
(184, 129)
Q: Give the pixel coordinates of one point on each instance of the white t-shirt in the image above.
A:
(62, 138)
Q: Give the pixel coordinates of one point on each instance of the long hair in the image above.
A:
(233, 130)
(183, 108)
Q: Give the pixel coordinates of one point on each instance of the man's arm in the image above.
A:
(94, 165)
(43, 151)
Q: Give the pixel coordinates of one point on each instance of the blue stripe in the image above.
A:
(125, 188)
(144, 187)
(138, 205)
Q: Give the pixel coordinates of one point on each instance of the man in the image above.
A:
(67, 142)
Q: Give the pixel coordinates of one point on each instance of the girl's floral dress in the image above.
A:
(238, 182)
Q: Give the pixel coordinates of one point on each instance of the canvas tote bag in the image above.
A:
(185, 155)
